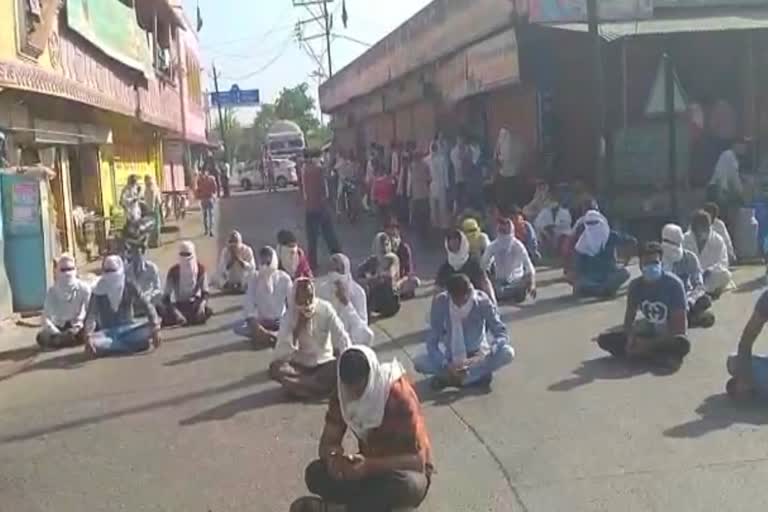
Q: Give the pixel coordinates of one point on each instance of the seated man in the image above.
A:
(110, 324)
(380, 276)
(310, 334)
(266, 301)
(348, 299)
(478, 241)
(748, 371)
(291, 257)
(719, 227)
(393, 468)
(685, 265)
(460, 261)
(712, 252)
(596, 272)
(514, 276)
(525, 232)
(185, 301)
(661, 335)
(66, 305)
(236, 263)
(553, 226)
(408, 282)
(463, 320)
(145, 276)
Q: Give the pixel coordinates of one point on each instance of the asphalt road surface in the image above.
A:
(197, 425)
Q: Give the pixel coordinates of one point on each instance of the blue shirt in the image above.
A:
(596, 269)
(658, 299)
(483, 318)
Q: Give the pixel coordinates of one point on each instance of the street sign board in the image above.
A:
(236, 97)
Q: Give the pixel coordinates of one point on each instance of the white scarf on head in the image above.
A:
(504, 241)
(289, 258)
(671, 245)
(457, 316)
(594, 237)
(66, 283)
(187, 267)
(344, 278)
(112, 284)
(367, 412)
(378, 248)
(460, 258)
(267, 276)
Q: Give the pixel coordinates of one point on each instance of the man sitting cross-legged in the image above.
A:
(661, 335)
(393, 469)
(463, 319)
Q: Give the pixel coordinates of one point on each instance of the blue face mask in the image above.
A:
(652, 271)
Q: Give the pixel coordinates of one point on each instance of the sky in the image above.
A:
(253, 44)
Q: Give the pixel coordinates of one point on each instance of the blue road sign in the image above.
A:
(236, 97)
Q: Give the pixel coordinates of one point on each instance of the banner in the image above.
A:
(111, 26)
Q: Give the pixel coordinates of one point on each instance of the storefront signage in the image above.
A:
(15, 75)
(438, 30)
(159, 104)
(111, 26)
(565, 11)
(708, 3)
(25, 204)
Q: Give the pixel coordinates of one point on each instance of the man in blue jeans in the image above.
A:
(206, 193)
(318, 217)
(476, 344)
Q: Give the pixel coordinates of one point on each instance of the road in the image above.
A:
(197, 426)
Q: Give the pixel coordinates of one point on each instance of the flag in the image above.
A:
(199, 18)
(344, 13)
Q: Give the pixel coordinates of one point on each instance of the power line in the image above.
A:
(266, 66)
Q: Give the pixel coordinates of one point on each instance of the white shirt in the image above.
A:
(316, 343)
(713, 256)
(438, 174)
(458, 164)
(561, 221)
(354, 315)
(260, 305)
(726, 176)
(237, 274)
(719, 227)
(511, 258)
(60, 307)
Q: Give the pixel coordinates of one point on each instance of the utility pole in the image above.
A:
(670, 107)
(598, 77)
(325, 22)
(222, 130)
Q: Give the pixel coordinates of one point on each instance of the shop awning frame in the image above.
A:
(721, 22)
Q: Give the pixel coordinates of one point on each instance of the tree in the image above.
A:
(295, 104)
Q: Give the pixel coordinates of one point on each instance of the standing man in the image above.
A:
(207, 190)
(461, 159)
(130, 199)
(226, 168)
(725, 187)
(318, 218)
(509, 157)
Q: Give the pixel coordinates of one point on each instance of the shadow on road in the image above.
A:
(259, 400)
(252, 380)
(188, 333)
(236, 346)
(606, 368)
(718, 412)
(751, 286)
(447, 397)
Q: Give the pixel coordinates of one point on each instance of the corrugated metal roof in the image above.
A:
(614, 30)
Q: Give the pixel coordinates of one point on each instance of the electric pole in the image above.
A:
(324, 20)
(598, 77)
(222, 129)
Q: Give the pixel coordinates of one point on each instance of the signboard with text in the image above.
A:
(236, 97)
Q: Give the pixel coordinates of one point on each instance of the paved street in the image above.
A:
(197, 426)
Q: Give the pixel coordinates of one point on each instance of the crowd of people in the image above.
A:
(318, 327)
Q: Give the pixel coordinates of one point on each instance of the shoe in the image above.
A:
(484, 383)
(705, 320)
(438, 383)
(314, 504)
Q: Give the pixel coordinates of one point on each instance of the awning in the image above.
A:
(611, 31)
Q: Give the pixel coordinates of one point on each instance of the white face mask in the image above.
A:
(335, 277)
